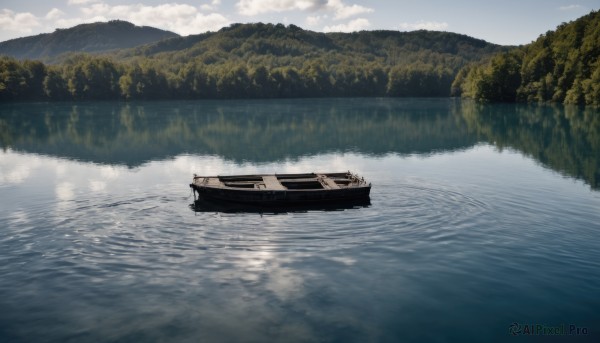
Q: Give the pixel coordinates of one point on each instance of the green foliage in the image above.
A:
(419, 80)
(92, 78)
(256, 61)
(55, 86)
(499, 81)
(560, 66)
(21, 80)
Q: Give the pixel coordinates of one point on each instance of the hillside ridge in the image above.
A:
(561, 66)
(91, 38)
(254, 61)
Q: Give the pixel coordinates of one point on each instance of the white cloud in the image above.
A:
(180, 18)
(160, 15)
(97, 9)
(254, 7)
(82, 2)
(570, 7)
(424, 25)
(17, 22)
(353, 25)
(212, 6)
(54, 14)
(64, 23)
(340, 10)
(203, 23)
(343, 11)
(313, 20)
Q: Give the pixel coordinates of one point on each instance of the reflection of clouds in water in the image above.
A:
(261, 267)
(201, 165)
(209, 165)
(64, 191)
(253, 287)
(14, 169)
(19, 217)
(16, 175)
(348, 261)
(98, 178)
(282, 281)
(245, 286)
(327, 163)
(109, 172)
(285, 283)
(97, 186)
(60, 169)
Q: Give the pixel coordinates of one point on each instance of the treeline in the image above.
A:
(254, 61)
(562, 66)
(88, 77)
(279, 45)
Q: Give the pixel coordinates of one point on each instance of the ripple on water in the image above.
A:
(122, 235)
(412, 209)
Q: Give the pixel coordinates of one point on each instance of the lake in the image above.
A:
(483, 224)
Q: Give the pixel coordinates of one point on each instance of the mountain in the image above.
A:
(96, 37)
(255, 61)
(561, 66)
(279, 45)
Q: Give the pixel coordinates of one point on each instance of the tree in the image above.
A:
(55, 87)
(13, 84)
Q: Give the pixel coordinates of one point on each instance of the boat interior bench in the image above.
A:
(271, 182)
(310, 181)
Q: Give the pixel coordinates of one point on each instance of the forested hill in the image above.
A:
(256, 61)
(561, 66)
(96, 37)
(278, 45)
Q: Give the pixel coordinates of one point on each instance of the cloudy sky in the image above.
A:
(503, 22)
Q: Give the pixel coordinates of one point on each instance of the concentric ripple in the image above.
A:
(394, 211)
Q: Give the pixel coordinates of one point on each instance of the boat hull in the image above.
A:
(283, 197)
(283, 189)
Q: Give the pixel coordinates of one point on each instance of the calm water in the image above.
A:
(480, 217)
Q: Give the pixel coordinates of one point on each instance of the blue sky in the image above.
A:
(508, 22)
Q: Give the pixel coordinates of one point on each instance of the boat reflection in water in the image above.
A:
(280, 192)
(212, 205)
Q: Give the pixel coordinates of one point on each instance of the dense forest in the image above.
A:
(277, 61)
(561, 66)
(254, 61)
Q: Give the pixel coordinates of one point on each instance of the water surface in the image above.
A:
(480, 217)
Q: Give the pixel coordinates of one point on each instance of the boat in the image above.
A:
(283, 189)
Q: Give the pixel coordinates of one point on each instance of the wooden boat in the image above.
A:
(283, 189)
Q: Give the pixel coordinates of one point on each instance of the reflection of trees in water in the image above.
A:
(256, 131)
(566, 139)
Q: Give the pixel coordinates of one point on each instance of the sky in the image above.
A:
(506, 22)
